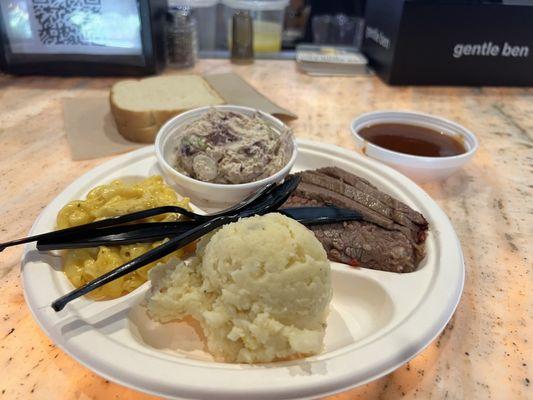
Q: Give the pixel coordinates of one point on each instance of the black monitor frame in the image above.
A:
(152, 60)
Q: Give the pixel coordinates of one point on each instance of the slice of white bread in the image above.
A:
(140, 107)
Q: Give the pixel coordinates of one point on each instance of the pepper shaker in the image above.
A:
(182, 43)
(242, 51)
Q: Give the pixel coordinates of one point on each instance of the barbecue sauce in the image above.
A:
(412, 139)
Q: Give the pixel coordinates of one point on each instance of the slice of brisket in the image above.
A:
(391, 236)
(365, 186)
(368, 246)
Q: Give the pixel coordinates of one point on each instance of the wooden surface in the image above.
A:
(485, 352)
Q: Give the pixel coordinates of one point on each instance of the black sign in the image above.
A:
(446, 43)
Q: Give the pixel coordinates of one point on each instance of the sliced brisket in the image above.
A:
(365, 186)
(390, 237)
(363, 244)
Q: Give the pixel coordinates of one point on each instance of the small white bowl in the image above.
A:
(420, 169)
(205, 193)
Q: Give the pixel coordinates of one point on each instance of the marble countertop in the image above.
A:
(485, 352)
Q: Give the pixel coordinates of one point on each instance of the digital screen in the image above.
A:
(97, 27)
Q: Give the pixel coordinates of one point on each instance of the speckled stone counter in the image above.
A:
(485, 352)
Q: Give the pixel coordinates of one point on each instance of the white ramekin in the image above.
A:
(211, 194)
(420, 169)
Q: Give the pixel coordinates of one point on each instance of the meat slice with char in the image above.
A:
(369, 246)
(391, 235)
(365, 186)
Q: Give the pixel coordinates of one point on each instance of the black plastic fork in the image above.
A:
(88, 229)
(153, 231)
(267, 202)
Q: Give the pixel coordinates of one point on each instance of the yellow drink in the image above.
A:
(267, 37)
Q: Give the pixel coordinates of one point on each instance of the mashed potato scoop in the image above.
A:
(260, 288)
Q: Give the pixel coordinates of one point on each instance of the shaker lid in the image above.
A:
(179, 15)
(257, 4)
(192, 3)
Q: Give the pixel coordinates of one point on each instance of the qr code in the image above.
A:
(63, 22)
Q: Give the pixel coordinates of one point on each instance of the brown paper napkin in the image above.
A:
(91, 129)
(92, 132)
(235, 90)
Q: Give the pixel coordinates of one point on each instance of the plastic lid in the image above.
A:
(256, 4)
(192, 3)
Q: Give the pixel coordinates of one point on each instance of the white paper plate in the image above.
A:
(378, 320)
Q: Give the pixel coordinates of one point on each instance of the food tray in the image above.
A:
(378, 320)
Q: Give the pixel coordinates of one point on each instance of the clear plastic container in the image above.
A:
(205, 14)
(267, 16)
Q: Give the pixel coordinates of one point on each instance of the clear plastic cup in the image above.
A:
(337, 29)
(267, 17)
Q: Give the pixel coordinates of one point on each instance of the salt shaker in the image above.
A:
(182, 43)
(242, 51)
